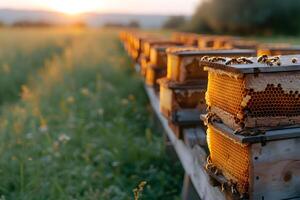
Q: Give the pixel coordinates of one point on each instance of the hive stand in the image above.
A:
(192, 156)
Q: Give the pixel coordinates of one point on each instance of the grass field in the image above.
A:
(74, 120)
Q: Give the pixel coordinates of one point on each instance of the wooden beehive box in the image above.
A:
(261, 94)
(189, 39)
(275, 50)
(157, 66)
(243, 44)
(182, 104)
(259, 165)
(146, 50)
(184, 63)
(215, 42)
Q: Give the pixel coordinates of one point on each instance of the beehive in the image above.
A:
(255, 166)
(137, 42)
(263, 93)
(275, 50)
(189, 39)
(175, 98)
(242, 44)
(184, 64)
(157, 66)
(146, 50)
(215, 42)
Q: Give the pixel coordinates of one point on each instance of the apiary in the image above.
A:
(184, 63)
(255, 165)
(255, 92)
(276, 50)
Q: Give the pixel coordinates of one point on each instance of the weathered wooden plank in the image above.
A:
(276, 170)
(188, 190)
(193, 160)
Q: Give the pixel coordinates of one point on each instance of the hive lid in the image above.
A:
(163, 48)
(189, 85)
(257, 136)
(280, 47)
(286, 65)
(210, 52)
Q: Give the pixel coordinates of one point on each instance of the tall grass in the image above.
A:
(81, 129)
(22, 53)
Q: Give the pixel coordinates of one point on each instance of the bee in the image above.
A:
(294, 60)
(244, 60)
(278, 63)
(222, 59)
(212, 59)
(205, 58)
(232, 61)
(262, 59)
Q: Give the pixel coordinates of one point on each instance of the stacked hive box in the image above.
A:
(146, 51)
(188, 39)
(254, 107)
(215, 42)
(182, 92)
(157, 66)
(275, 50)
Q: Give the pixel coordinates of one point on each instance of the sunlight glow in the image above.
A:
(72, 7)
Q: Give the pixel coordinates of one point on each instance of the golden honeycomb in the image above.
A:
(260, 100)
(230, 157)
(225, 92)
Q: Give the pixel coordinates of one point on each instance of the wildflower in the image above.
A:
(138, 190)
(70, 100)
(43, 125)
(85, 92)
(64, 138)
(30, 159)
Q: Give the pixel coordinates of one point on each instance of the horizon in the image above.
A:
(132, 7)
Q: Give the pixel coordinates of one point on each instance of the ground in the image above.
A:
(75, 122)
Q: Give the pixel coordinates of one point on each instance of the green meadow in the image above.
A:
(75, 122)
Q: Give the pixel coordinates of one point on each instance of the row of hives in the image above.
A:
(247, 96)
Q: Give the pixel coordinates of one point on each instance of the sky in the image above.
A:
(166, 7)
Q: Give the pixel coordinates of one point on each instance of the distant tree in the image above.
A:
(134, 24)
(175, 22)
(113, 25)
(247, 17)
(25, 24)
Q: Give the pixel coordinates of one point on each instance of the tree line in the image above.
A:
(244, 17)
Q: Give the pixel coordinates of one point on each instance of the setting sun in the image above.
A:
(73, 7)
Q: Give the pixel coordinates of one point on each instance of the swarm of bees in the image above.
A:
(271, 61)
(241, 60)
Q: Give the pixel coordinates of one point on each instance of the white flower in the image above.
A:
(64, 138)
